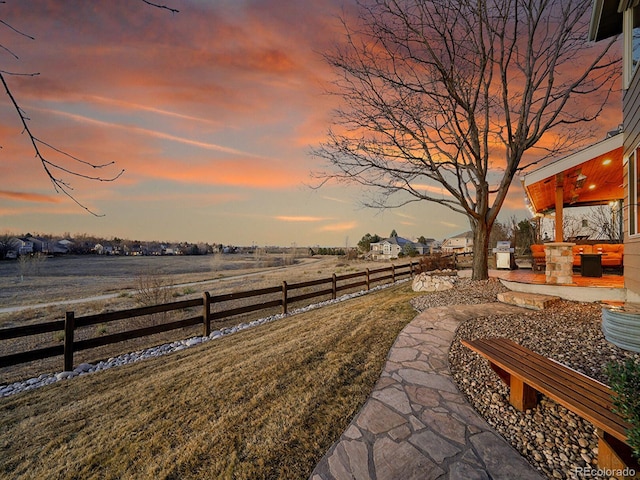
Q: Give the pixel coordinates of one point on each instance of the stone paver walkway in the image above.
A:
(416, 424)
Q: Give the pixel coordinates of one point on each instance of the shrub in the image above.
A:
(153, 288)
(625, 382)
(437, 261)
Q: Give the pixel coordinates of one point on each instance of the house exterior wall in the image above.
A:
(458, 245)
(21, 246)
(387, 250)
(631, 115)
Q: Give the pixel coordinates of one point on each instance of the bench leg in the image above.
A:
(503, 374)
(521, 395)
(615, 456)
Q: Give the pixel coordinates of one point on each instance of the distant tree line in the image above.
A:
(84, 244)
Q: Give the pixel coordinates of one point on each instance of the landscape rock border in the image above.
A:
(435, 281)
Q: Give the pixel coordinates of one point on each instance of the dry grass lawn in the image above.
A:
(264, 403)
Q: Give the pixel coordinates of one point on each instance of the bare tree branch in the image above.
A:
(16, 30)
(49, 167)
(157, 5)
(52, 168)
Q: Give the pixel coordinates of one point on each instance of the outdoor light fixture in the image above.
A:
(580, 180)
(606, 161)
(592, 186)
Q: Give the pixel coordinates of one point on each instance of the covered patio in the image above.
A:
(590, 177)
(607, 289)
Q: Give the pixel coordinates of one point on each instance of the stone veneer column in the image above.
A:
(559, 259)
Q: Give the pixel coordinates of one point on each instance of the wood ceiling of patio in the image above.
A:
(603, 184)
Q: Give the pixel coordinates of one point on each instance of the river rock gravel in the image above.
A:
(557, 442)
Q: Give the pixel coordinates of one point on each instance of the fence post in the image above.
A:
(69, 326)
(393, 273)
(411, 269)
(284, 297)
(206, 314)
(334, 287)
(368, 279)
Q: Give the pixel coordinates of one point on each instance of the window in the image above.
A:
(634, 187)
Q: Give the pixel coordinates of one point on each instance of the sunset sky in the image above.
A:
(211, 112)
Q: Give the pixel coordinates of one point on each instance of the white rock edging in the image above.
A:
(435, 281)
(86, 368)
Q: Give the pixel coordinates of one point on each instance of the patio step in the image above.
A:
(534, 301)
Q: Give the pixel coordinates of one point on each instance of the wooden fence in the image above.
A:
(71, 323)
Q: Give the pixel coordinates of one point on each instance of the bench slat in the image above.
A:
(577, 392)
(556, 371)
(585, 380)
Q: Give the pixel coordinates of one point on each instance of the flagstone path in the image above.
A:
(416, 424)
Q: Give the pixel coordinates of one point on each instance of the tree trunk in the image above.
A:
(480, 266)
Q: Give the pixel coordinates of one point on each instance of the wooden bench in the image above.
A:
(528, 373)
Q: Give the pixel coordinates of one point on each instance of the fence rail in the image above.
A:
(71, 323)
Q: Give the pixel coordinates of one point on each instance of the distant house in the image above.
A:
(136, 249)
(462, 243)
(50, 247)
(22, 246)
(66, 243)
(101, 249)
(392, 247)
(40, 245)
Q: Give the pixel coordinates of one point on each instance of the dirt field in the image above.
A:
(71, 277)
(95, 284)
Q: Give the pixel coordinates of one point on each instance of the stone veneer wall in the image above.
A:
(559, 259)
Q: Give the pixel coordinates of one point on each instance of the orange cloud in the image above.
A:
(431, 189)
(449, 224)
(285, 218)
(238, 173)
(29, 197)
(138, 106)
(339, 227)
(152, 133)
(195, 198)
(334, 199)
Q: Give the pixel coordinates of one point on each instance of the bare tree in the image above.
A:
(57, 168)
(600, 222)
(604, 221)
(153, 288)
(441, 100)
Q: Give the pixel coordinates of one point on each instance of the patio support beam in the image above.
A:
(559, 206)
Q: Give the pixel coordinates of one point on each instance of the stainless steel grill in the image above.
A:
(504, 255)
